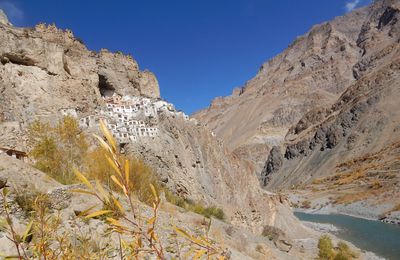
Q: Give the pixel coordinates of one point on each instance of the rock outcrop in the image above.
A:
(120, 74)
(45, 69)
(27, 178)
(4, 18)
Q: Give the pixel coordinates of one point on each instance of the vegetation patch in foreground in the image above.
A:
(137, 233)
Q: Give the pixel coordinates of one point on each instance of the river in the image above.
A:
(378, 237)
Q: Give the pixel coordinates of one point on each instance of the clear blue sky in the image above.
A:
(198, 49)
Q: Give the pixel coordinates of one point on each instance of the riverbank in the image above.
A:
(321, 203)
(333, 230)
(354, 211)
(320, 227)
(380, 238)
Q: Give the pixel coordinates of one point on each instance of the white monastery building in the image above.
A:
(126, 117)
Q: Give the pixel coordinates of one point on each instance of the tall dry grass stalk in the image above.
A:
(144, 239)
(137, 234)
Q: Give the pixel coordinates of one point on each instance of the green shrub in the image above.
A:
(325, 247)
(341, 256)
(272, 233)
(344, 252)
(190, 205)
(328, 252)
(306, 204)
(174, 199)
(209, 211)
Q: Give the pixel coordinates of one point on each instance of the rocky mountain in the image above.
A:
(353, 144)
(323, 110)
(45, 71)
(312, 72)
(364, 118)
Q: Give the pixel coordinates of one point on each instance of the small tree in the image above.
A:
(325, 248)
(58, 149)
(328, 252)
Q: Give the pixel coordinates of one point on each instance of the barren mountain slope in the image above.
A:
(312, 72)
(350, 150)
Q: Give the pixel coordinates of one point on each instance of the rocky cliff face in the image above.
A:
(47, 64)
(365, 118)
(44, 71)
(197, 166)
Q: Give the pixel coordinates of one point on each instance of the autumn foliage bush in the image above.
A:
(59, 149)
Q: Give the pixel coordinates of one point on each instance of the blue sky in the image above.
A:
(198, 49)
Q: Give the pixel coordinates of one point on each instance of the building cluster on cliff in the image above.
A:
(130, 118)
